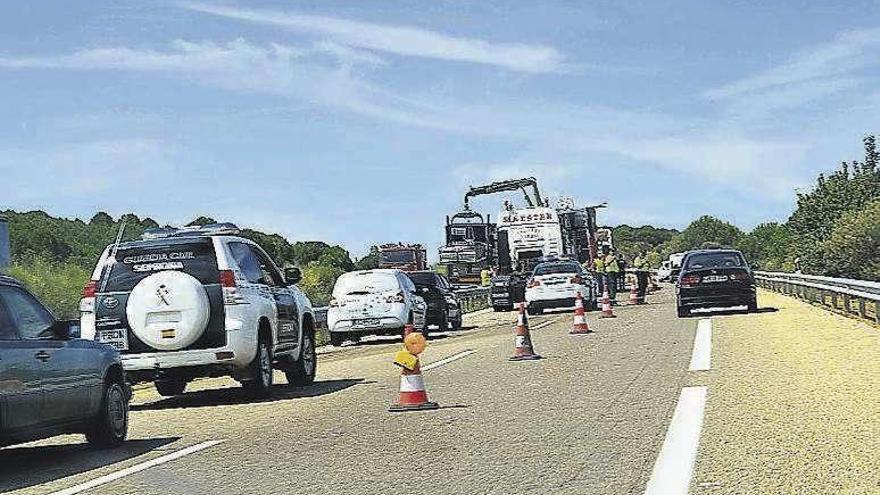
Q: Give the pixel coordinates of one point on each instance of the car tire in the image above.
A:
(336, 338)
(457, 323)
(533, 311)
(170, 388)
(499, 309)
(111, 426)
(753, 305)
(302, 371)
(259, 383)
(443, 323)
(682, 312)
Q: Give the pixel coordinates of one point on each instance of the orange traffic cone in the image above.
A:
(523, 350)
(607, 311)
(413, 396)
(580, 326)
(634, 293)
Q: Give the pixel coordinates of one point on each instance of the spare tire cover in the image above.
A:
(168, 310)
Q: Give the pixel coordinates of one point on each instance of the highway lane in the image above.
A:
(589, 418)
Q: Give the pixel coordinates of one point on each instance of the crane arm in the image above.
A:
(504, 186)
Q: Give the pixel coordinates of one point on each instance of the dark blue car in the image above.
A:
(51, 382)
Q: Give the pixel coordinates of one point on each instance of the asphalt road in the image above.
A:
(591, 417)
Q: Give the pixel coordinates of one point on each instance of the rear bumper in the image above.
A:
(715, 296)
(387, 324)
(566, 302)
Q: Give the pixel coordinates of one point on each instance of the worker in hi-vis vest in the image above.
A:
(599, 270)
(612, 273)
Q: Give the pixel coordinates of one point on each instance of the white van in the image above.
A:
(374, 302)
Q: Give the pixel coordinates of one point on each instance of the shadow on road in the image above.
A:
(23, 467)
(236, 395)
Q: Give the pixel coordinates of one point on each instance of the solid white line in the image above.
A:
(448, 360)
(675, 464)
(701, 359)
(103, 480)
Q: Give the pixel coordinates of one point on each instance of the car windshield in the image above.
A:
(551, 268)
(714, 260)
(365, 283)
(397, 256)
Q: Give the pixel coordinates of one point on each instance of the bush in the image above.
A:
(852, 249)
(57, 285)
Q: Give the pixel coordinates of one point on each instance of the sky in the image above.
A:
(364, 122)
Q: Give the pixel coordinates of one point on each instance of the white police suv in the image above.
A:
(200, 302)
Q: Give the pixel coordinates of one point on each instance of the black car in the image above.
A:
(507, 291)
(715, 278)
(443, 306)
(52, 382)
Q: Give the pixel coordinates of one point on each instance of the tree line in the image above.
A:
(834, 229)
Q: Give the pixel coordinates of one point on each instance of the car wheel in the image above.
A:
(111, 426)
(170, 388)
(302, 371)
(261, 379)
(753, 305)
(533, 311)
(457, 323)
(337, 338)
(682, 312)
(498, 309)
(443, 323)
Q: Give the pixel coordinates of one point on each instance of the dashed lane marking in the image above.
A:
(701, 359)
(448, 360)
(137, 468)
(675, 464)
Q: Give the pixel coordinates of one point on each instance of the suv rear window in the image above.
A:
(134, 264)
(715, 260)
(547, 269)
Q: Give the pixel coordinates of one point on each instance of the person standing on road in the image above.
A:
(599, 270)
(612, 273)
(640, 263)
(485, 277)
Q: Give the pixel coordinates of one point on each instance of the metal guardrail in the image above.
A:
(471, 299)
(854, 297)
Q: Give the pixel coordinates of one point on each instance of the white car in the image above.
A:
(374, 302)
(186, 303)
(555, 284)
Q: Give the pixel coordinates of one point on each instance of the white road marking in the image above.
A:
(103, 480)
(701, 359)
(675, 464)
(448, 360)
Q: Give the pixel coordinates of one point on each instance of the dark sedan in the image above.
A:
(715, 278)
(443, 306)
(52, 383)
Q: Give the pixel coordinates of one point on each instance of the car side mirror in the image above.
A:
(293, 275)
(66, 329)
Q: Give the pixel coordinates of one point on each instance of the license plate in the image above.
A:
(116, 338)
(715, 278)
(368, 323)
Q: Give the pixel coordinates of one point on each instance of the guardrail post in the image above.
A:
(862, 312)
(846, 303)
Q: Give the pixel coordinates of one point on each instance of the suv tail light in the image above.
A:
(690, 280)
(230, 288)
(534, 283)
(87, 303)
(396, 298)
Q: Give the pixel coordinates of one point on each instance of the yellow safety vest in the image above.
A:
(611, 265)
(486, 277)
(600, 265)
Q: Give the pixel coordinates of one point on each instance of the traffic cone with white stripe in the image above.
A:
(634, 292)
(522, 346)
(607, 311)
(413, 396)
(580, 326)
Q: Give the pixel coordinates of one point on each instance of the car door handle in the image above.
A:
(43, 356)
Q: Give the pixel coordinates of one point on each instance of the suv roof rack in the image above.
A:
(224, 228)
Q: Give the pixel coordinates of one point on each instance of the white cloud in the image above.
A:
(401, 40)
(851, 51)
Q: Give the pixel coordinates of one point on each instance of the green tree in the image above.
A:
(849, 188)
(768, 245)
(370, 261)
(707, 230)
(201, 221)
(853, 248)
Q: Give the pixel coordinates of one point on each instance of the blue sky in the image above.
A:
(363, 122)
